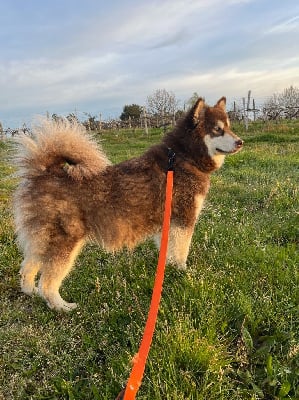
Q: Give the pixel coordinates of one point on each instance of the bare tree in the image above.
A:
(282, 105)
(236, 113)
(163, 105)
(72, 117)
(289, 99)
(91, 124)
(57, 118)
(271, 108)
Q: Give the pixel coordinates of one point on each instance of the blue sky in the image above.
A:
(96, 56)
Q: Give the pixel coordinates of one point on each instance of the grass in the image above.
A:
(228, 328)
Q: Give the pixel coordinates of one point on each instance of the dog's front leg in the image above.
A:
(178, 245)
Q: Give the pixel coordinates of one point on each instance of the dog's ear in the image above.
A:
(197, 109)
(221, 103)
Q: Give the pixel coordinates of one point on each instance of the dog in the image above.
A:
(70, 193)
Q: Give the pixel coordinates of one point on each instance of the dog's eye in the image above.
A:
(218, 130)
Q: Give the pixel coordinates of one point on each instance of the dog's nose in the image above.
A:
(239, 143)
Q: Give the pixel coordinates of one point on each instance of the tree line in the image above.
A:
(162, 109)
(283, 105)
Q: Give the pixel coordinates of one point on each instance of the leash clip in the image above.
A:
(171, 159)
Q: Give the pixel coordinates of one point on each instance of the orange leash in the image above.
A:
(139, 359)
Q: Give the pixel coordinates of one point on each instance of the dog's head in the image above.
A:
(217, 134)
(213, 125)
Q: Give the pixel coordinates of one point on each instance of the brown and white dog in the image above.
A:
(70, 193)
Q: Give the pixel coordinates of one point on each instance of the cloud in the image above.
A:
(49, 71)
(102, 55)
(233, 81)
(148, 25)
(55, 81)
(287, 26)
(102, 58)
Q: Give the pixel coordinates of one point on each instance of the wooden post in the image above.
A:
(255, 110)
(145, 121)
(235, 112)
(248, 100)
(1, 132)
(246, 110)
(100, 122)
(245, 118)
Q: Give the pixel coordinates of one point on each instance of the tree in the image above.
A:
(236, 113)
(289, 99)
(91, 124)
(57, 118)
(72, 117)
(282, 105)
(192, 100)
(271, 109)
(163, 105)
(131, 113)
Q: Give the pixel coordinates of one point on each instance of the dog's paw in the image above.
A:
(180, 265)
(57, 303)
(68, 306)
(62, 306)
(30, 290)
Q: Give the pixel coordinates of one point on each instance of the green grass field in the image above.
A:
(228, 328)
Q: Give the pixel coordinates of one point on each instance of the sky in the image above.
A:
(95, 56)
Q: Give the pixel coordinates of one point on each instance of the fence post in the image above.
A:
(100, 122)
(245, 115)
(145, 121)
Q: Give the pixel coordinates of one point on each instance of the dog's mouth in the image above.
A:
(227, 152)
(238, 146)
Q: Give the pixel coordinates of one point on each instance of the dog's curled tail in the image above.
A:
(59, 145)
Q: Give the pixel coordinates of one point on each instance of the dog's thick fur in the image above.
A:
(70, 193)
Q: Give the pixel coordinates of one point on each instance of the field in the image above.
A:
(228, 328)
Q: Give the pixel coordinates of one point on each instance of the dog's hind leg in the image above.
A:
(29, 270)
(53, 272)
